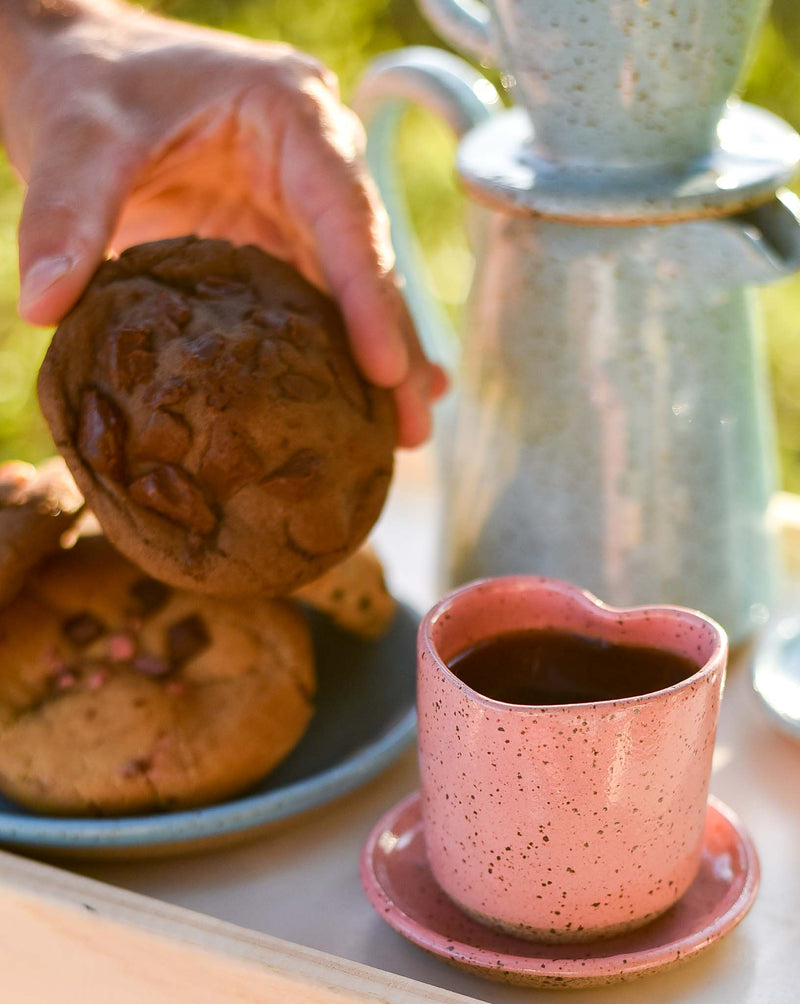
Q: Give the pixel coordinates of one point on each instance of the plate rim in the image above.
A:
(162, 829)
(768, 653)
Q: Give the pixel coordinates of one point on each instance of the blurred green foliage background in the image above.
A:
(346, 34)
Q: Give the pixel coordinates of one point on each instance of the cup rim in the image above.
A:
(584, 598)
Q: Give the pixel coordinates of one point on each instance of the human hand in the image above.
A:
(131, 128)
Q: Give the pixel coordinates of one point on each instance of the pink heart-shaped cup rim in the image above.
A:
(564, 606)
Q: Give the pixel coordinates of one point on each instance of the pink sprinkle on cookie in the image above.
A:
(135, 767)
(97, 679)
(121, 647)
(55, 661)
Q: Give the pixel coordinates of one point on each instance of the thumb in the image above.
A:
(75, 194)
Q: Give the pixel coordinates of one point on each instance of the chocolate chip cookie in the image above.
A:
(354, 595)
(205, 399)
(38, 505)
(120, 694)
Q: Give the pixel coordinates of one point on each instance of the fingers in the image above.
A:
(334, 208)
(413, 415)
(413, 400)
(425, 383)
(352, 245)
(327, 189)
(77, 184)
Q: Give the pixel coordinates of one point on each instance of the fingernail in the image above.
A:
(40, 277)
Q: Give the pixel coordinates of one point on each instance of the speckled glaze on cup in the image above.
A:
(564, 822)
(611, 81)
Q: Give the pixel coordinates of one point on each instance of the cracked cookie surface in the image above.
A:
(120, 694)
(206, 401)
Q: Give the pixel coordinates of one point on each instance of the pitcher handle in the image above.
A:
(771, 233)
(450, 87)
(466, 24)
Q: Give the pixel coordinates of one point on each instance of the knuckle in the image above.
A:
(87, 120)
(45, 209)
(312, 124)
(330, 79)
(344, 134)
(353, 125)
(369, 196)
(358, 189)
(305, 102)
(319, 71)
(296, 69)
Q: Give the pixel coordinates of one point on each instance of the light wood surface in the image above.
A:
(70, 939)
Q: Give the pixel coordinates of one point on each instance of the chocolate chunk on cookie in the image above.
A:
(206, 401)
(101, 434)
(82, 628)
(186, 638)
(119, 695)
(148, 596)
(37, 507)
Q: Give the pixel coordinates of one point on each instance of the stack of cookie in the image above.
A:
(204, 399)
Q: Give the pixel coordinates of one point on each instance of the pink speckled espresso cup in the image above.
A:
(564, 822)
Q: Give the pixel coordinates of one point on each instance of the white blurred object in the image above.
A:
(776, 665)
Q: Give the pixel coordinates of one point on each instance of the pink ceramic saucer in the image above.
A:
(399, 884)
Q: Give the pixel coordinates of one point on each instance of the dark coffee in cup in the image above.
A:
(544, 666)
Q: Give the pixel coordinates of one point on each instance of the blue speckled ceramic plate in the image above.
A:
(364, 719)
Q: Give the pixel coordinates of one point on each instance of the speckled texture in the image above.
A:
(612, 426)
(612, 423)
(616, 81)
(571, 821)
(497, 164)
(398, 882)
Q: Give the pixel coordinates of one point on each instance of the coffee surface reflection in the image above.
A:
(558, 667)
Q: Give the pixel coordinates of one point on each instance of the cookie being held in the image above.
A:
(354, 595)
(38, 505)
(206, 401)
(120, 694)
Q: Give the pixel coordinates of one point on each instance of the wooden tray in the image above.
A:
(67, 939)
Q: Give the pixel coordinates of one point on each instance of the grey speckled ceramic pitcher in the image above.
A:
(612, 422)
(611, 81)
